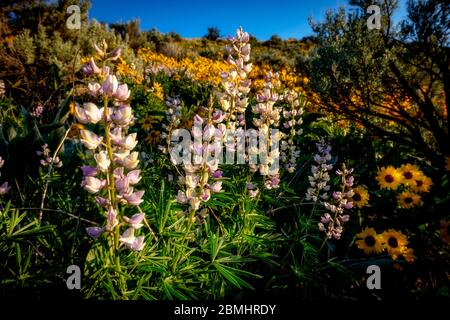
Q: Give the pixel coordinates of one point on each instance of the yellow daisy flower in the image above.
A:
(395, 242)
(360, 197)
(409, 173)
(423, 184)
(389, 178)
(447, 163)
(408, 199)
(153, 138)
(408, 255)
(370, 242)
(147, 123)
(158, 91)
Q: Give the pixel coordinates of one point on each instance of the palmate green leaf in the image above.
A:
(171, 292)
(234, 259)
(232, 275)
(220, 200)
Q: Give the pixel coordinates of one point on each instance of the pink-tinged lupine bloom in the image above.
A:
(89, 171)
(205, 195)
(131, 161)
(138, 243)
(216, 186)
(122, 185)
(110, 85)
(94, 89)
(4, 188)
(116, 136)
(127, 237)
(119, 157)
(191, 181)
(181, 197)
(134, 177)
(122, 93)
(134, 198)
(38, 111)
(111, 219)
(135, 221)
(130, 141)
(253, 193)
(102, 202)
(90, 113)
(218, 116)
(114, 55)
(94, 232)
(102, 160)
(91, 68)
(122, 116)
(90, 139)
(92, 184)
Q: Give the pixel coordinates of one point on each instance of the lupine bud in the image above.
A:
(110, 85)
(114, 55)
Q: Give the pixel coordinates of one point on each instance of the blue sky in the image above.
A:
(263, 18)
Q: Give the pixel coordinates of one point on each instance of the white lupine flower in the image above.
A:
(102, 160)
(131, 161)
(90, 139)
(115, 121)
(93, 184)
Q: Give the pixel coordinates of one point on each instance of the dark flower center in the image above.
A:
(357, 197)
(392, 242)
(370, 241)
(408, 175)
(388, 178)
(419, 183)
(408, 200)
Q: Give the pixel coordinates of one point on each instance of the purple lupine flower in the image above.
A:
(89, 171)
(134, 198)
(138, 243)
(217, 174)
(122, 93)
(4, 188)
(216, 186)
(111, 219)
(102, 202)
(127, 237)
(135, 221)
(92, 184)
(94, 232)
(134, 177)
